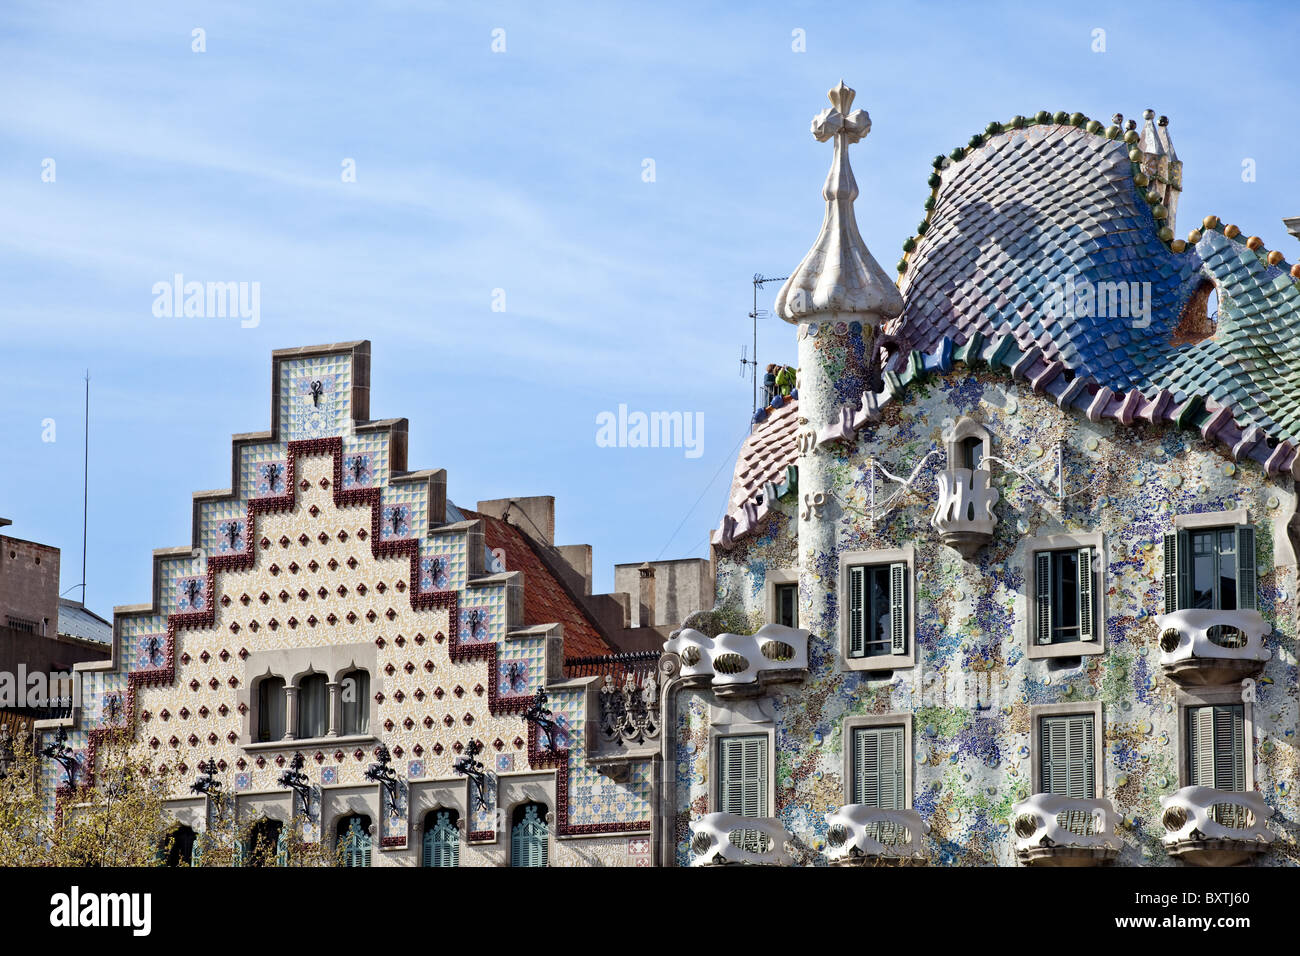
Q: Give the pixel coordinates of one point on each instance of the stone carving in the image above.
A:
(964, 515)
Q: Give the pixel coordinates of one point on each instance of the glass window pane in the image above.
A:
(1204, 559)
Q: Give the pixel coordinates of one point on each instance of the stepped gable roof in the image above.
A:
(546, 600)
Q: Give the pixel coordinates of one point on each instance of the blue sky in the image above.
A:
(519, 171)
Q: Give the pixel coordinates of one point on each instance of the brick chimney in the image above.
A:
(646, 597)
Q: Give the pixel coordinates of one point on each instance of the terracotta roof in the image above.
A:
(764, 470)
(546, 599)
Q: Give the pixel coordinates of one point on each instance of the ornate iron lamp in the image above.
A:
(468, 766)
(538, 713)
(382, 774)
(62, 754)
(296, 780)
(207, 784)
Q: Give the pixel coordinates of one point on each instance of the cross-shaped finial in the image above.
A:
(836, 120)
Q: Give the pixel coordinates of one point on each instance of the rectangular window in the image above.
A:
(1216, 746)
(1211, 569)
(1064, 591)
(879, 774)
(787, 605)
(1067, 764)
(742, 775)
(878, 610)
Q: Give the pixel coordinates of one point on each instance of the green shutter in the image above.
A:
(240, 851)
(529, 839)
(1043, 587)
(857, 633)
(1200, 745)
(442, 842)
(1173, 596)
(1229, 748)
(282, 847)
(898, 607)
(878, 767)
(1087, 624)
(743, 787)
(1247, 589)
(1068, 765)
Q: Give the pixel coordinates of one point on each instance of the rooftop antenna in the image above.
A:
(85, 492)
(755, 315)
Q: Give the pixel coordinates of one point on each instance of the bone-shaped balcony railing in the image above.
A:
(1195, 813)
(734, 662)
(858, 831)
(1048, 820)
(720, 838)
(1206, 633)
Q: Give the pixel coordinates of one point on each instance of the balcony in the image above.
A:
(1204, 646)
(860, 835)
(1208, 827)
(1052, 830)
(964, 515)
(741, 664)
(728, 839)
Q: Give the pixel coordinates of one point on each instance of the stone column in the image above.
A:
(336, 707)
(290, 711)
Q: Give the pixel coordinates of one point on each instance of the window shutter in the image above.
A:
(240, 851)
(857, 632)
(1043, 588)
(1173, 597)
(755, 776)
(891, 768)
(743, 788)
(196, 855)
(1247, 589)
(866, 761)
(1056, 755)
(1087, 625)
(898, 607)
(282, 847)
(1079, 775)
(1200, 745)
(1229, 748)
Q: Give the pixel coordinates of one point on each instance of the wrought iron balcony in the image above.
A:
(722, 839)
(964, 514)
(1203, 646)
(1052, 830)
(1209, 827)
(859, 834)
(740, 664)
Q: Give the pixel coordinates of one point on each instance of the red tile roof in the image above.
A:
(546, 599)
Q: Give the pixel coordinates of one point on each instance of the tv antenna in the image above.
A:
(747, 363)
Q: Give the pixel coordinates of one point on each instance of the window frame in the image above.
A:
(1208, 697)
(905, 555)
(1036, 751)
(1028, 624)
(891, 719)
(775, 580)
(740, 729)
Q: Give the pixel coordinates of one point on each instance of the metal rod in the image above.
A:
(85, 492)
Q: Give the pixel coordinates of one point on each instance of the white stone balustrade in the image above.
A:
(1048, 825)
(964, 515)
(738, 663)
(728, 838)
(1195, 814)
(858, 831)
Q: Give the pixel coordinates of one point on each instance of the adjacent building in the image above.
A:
(1011, 578)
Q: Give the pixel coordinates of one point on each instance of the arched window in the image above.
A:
(354, 839)
(441, 839)
(313, 706)
(177, 847)
(529, 836)
(355, 697)
(270, 709)
(265, 844)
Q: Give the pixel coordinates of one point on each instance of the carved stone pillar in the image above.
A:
(290, 712)
(336, 707)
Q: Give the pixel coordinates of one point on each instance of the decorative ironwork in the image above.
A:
(62, 754)
(382, 773)
(538, 713)
(207, 784)
(629, 714)
(467, 765)
(296, 780)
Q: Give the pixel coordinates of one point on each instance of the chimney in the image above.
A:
(646, 597)
(1292, 227)
(1161, 164)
